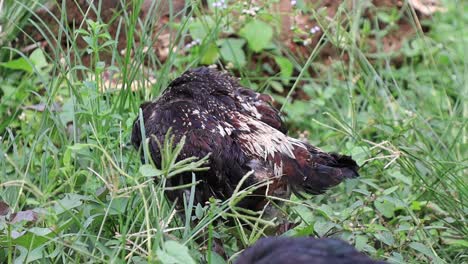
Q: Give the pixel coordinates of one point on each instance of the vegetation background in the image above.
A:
(384, 81)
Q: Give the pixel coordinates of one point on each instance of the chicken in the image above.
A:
(284, 250)
(243, 133)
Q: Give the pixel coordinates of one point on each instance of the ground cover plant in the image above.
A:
(72, 188)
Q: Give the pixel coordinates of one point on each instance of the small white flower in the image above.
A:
(307, 41)
(62, 60)
(409, 113)
(22, 117)
(314, 29)
(293, 2)
(252, 11)
(188, 46)
(221, 4)
(193, 43)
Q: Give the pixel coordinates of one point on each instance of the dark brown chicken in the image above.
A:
(304, 250)
(243, 133)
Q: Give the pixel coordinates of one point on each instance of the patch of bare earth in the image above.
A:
(300, 29)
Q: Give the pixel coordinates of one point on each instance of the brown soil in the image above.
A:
(112, 11)
(391, 43)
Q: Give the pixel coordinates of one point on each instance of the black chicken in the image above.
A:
(284, 250)
(243, 133)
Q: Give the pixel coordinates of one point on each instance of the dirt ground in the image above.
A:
(77, 11)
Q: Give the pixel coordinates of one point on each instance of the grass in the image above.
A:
(86, 196)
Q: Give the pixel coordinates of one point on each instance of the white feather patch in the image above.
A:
(265, 141)
(252, 109)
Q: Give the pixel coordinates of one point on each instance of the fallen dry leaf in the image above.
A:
(427, 7)
(28, 216)
(4, 208)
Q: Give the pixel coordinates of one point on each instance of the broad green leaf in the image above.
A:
(148, 170)
(258, 34)
(385, 17)
(67, 157)
(458, 242)
(77, 147)
(425, 251)
(390, 190)
(33, 237)
(298, 110)
(38, 59)
(286, 68)
(399, 176)
(201, 27)
(321, 228)
(199, 211)
(304, 212)
(231, 51)
(70, 201)
(301, 230)
(210, 54)
(385, 237)
(361, 242)
(216, 259)
(18, 64)
(396, 258)
(277, 86)
(118, 205)
(416, 205)
(326, 211)
(174, 253)
(68, 112)
(66, 204)
(385, 207)
(166, 258)
(27, 256)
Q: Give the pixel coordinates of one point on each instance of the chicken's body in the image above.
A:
(243, 133)
(304, 250)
